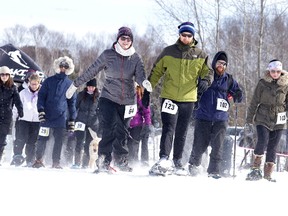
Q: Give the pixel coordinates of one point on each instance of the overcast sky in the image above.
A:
(79, 17)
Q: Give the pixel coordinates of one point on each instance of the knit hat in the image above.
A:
(125, 31)
(275, 64)
(92, 82)
(4, 70)
(187, 27)
(223, 57)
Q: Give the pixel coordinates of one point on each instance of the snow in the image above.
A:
(47, 191)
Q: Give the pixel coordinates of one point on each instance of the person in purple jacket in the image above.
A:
(138, 124)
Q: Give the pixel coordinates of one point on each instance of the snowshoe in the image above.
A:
(103, 166)
(214, 175)
(270, 179)
(179, 169)
(193, 170)
(254, 175)
(17, 160)
(162, 168)
(38, 164)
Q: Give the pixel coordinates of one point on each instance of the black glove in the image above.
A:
(146, 98)
(20, 113)
(237, 96)
(71, 126)
(203, 85)
(41, 116)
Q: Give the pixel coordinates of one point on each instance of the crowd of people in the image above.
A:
(120, 112)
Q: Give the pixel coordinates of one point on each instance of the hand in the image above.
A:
(71, 126)
(20, 113)
(237, 96)
(146, 99)
(70, 91)
(203, 85)
(41, 116)
(147, 85)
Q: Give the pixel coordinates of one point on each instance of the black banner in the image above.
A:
(18, 62)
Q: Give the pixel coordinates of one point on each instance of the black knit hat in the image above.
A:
(125, 31)
(92, 82)
(223, 57)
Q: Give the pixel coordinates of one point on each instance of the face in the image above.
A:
(4, 77)
(91, 88)
(125, 42)
(63, 67)
(275, 74)
(186, 37)
(34, 85)
(220, 67)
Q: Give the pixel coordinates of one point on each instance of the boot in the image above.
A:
(122, 163)
(103, 165)
(255, 173)
(77, 160)
(268, 169)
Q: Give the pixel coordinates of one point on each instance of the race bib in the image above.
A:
(169, 107)
(80, 126)
(44, 131)
(222, 105)
(281, 118)
(130, 111)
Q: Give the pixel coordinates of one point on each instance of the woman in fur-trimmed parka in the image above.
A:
(267, 111)
(52, 106)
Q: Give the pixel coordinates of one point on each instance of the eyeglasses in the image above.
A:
(123, 38)
(186, 35)
(221, 63)
(4, 74)
(274, 71)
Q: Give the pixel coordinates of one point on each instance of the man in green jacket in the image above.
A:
(185, 72)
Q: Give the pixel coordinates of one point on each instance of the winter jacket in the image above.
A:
(8, 97)
(120, 72)
(181, 65)
(87, 109)
(52, 100)
(29, 100)
(220, 88)
(142, 117)
(270, 98)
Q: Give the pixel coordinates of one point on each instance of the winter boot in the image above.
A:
(193, 170)
(17, 160)
(103, 165)
(122, 164)
(268, 169)
(255, 173)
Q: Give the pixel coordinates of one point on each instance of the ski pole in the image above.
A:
(235, 138)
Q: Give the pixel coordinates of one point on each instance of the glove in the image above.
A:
(203, 85)
(41, 116)
(71, 126)
(147, 85)
(146, 99)
(70, 91)
(237, 96)
(20, 113)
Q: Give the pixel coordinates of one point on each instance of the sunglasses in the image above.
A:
(5, 74)
(123, 38)
(186, 35)
(274, 71)
(221, 63)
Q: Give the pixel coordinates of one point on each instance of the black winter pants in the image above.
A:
(208, 133)
(267, 140)
(114, 130)
(175, 125)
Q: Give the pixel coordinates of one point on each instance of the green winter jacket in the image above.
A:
(181, 66)
(270, 98)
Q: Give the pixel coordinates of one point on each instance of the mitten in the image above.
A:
(20, 113)
(237, 96)
(202, 86)
(146, 99)
(70, 91)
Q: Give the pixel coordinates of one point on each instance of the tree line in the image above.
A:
(251, 32)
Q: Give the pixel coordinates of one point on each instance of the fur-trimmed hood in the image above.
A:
(69, 61)
(282, 81)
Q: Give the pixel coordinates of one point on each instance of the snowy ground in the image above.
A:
(46, 191)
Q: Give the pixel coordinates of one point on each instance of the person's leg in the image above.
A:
(58, 134)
